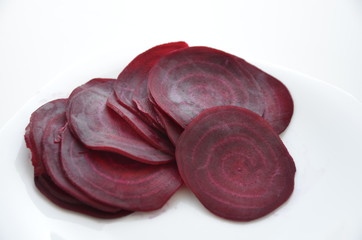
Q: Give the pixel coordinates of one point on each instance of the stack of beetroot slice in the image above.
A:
(176, 114)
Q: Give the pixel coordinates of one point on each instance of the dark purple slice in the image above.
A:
(117, 180)
(131, 85)
(51, 160)
(143, 128)
(35, 129)
(62, 199)
(187, 81)
(100, 128)
(279, 104)
(235, 163)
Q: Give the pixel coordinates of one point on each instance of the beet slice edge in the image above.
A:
(35, 130)
(131, 85)
(173, 130)
(279, 106)
(60, 198)
(140, 95)
(143, 128)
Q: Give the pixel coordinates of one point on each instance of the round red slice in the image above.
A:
(117, 180)
(235, 163)
(187, 81)
(100, 128)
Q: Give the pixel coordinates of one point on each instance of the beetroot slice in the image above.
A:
(131, 85)
(279, 104)
(145, 130)
(51, 160)
(35, 129)
(116, 180)
(187, 81)
(60, 198)
(100, 128)
(235, 163)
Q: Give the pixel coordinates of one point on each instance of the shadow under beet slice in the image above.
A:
(51, 160)
(62, 199)
(131, 85)
(143, 128)
(187, 81)
(35, 130)
(235, 163)
(100, 128)
(116, 180)
(279, 104)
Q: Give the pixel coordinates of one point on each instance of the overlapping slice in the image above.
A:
(131, 93)
(235, 163)
(116, 180)
(35, 130)
(143, 128)
(110, 145)
(62, 199)
(42, 137)
(100, 128)
(187, 81)
(51, 160)
(131, 85)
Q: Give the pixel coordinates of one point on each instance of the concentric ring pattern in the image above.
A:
(235, 163)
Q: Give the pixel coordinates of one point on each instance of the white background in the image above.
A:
(40, 39)
(45, 40)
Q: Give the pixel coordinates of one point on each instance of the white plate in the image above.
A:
(324, 138)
